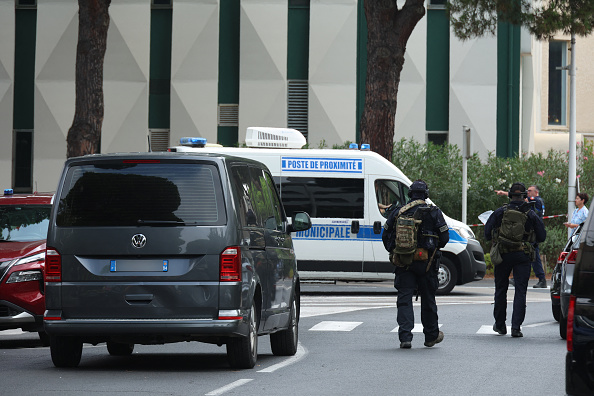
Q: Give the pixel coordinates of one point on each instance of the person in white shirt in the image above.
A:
(580, 213)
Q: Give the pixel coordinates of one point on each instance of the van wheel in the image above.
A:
(242, 352)
(65, 351)
(119, 348)
(556, 311)
(447, 276)
(284, 342)
(563, 327)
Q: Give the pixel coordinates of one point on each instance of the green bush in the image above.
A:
(441, 167)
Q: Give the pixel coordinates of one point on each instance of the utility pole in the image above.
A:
(466, 154)
(571, 179)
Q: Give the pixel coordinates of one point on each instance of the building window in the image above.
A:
(436, 4)
(557, 114)
(25, 4)
(439, 139)
(298, 100)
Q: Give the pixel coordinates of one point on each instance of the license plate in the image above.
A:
(139, 265)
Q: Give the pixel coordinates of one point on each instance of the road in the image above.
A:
(348, 345)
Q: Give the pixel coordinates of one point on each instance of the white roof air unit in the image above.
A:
(274, 137)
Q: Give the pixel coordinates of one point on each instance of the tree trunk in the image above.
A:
(388, 32)
(84, 136)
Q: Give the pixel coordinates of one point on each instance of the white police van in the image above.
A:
(345, 192)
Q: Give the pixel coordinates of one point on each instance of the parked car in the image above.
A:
(579, 361)
(23, 229)
(567, 269)
(557, 271)
(158, 248)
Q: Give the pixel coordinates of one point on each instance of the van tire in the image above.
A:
(284, 342)
(66, 351)
(242, 352)
(44, 338)
(119, 348)
(556, 311)
(447, 276)
(563, 327)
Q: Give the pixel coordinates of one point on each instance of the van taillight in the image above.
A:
(53, 266)
(570, 315)
(230, 265)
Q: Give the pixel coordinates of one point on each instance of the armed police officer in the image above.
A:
(413, 235)
(514, 229)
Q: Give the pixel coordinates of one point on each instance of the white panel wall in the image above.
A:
(55, 65)
(332, 72)
(194, 69)
(6, 91)
(263, 64)
(473, 92)
(412, 103)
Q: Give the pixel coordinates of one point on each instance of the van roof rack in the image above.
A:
(266, 137)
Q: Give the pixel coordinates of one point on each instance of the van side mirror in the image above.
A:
(300, 222)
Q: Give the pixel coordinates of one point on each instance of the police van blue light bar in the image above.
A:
(8, 191)
(353, 146)
(365, 146)
(192, 141)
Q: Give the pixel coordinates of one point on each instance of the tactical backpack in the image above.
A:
(406, 232)
(511, 236)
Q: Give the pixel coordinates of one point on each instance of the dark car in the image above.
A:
(159, 248)
(24, 219)
(579, 362)
(562, 278)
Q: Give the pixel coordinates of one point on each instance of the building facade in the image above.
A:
(212, 68)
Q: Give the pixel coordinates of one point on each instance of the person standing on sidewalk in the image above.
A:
(538, 205)
(413, 235)
(514, 228)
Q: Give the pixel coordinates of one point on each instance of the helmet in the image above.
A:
(418, 187)
(513, 190)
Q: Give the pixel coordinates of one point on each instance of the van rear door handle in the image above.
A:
(139, 298)
(377, 227)
(355, 227)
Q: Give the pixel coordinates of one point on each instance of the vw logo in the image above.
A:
(138, 241)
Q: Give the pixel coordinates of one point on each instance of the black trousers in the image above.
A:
(519, 263)
(406, 282)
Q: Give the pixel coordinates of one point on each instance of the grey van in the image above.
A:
(154, 248)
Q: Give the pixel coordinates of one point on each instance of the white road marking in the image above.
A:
(488, 329)
(13, 332)
(541, 324)
(301, 352)
(227, 388)
(335, 326)
(418, 328)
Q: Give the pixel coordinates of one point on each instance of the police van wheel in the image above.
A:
(447, 276)
(65, 351)
(563, 327)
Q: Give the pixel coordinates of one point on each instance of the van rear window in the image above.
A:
(132, 194)
(322, 197)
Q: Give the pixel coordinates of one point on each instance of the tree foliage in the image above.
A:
(544, 19)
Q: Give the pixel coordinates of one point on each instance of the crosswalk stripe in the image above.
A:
(335, 326)
(488, 329)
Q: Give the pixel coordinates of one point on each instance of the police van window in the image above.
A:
(322, 197)
(277, 207)
(243, 185)
(154, 194)
(387, 193)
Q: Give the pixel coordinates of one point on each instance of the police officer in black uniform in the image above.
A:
(420, 275)
(518, 261)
